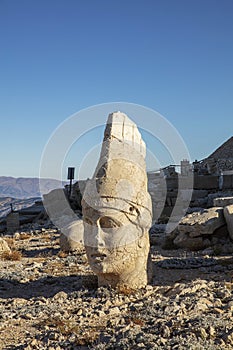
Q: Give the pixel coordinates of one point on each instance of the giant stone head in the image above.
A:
(117, 208)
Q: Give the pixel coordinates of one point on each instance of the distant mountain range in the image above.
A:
(17, 204)
(24, 187)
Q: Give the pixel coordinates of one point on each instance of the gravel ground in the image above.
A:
(49, 300)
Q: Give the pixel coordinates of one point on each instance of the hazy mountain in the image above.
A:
(24, 187)
(17, 204)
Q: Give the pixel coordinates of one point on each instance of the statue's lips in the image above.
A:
(98, 257)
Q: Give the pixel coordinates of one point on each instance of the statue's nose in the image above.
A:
(99, 235)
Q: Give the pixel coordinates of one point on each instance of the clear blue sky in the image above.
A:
(60, 56)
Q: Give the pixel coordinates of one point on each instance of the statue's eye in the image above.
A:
(107, 222)
(133, 210)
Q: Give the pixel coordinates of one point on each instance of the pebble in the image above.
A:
(43, 304)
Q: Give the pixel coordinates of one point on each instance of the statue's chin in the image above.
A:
(101, 269)
(106, 267)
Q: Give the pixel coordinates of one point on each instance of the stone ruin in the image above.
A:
(117, 211)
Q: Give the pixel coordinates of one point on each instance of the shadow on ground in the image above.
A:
(50, 285)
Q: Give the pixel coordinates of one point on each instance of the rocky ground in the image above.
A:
(49, 300)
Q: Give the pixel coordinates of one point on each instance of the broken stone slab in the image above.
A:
(71, 237)
(204, 222)
(184, 241)
(228, 214)
(212, 196)
(56, 203)
(60, 213)
(223, 201)
(219, 237)
(117, 210)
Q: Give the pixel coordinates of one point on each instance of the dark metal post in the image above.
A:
(70, 177)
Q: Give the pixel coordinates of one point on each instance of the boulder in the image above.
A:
(204, 222)
(184, 241)
(228, 214)
(196, 230)
(71, 237)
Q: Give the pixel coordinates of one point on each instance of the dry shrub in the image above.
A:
(125, 290)
(62, 254)
(45, 254)
(13, 255)
(55, 268)
(46, 238)
(67, 327)
(10, 241)
(229, 285)
(137, 321)
(23, 236)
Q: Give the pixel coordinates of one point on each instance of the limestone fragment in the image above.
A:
(228, 214)
(71, 237)
(60, 212)
(223, 201)
(204, 222)
(194, 229)
(3, 246)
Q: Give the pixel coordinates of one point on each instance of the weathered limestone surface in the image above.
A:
(61, 214)
(194, 230)
(71, 237)
(4, 246)
(213, 196)
(183, 240)
(204, 222)
(228, 213)
(117, 209)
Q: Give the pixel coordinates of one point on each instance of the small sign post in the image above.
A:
(70, 177)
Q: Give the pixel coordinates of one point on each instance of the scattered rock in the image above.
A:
(4, 246)
(195, 230)
(228, 214)
(45, 303)
(202, 223)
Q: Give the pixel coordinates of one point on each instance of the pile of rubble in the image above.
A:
(44, 303)
(210, 229)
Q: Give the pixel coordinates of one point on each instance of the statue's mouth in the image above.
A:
(98, 257)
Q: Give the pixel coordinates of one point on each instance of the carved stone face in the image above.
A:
(115, 239)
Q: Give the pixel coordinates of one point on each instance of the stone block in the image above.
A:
(186, 242)
(71, 237)
(228, 213)
(222, 201)
(200, 223)
(12, 222)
